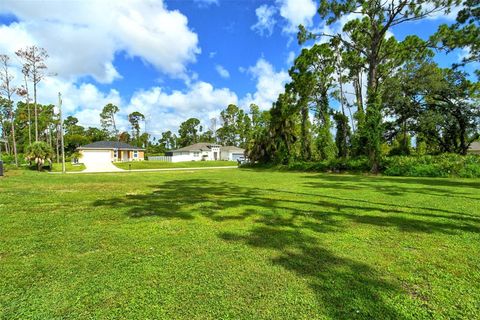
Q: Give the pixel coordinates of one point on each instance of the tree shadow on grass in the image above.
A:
(399, 186)
(293, 226)
(344, 288)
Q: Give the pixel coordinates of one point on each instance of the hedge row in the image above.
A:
(445, 165)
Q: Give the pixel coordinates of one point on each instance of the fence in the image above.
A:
(161, 158)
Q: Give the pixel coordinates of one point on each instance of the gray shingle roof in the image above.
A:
(232, 149)
(202, 146)
(205, 146)
(110, 145)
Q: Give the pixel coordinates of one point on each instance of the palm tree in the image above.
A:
(39, 152)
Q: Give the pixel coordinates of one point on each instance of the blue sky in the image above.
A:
(167, 59)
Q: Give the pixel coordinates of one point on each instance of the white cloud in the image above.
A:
(167, 110)
(440, 15)
(206, 3)
(266, 22)
(163, 110)
(83, 39)
(269, 85)
(290, 58)
(222, 71)
(212, 54)
(84, 101)
(297, 12)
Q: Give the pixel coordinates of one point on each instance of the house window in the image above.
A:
(196, 154)
(135, 154)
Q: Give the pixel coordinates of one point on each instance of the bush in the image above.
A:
(335, 165)
(39, 153)
(445, 165)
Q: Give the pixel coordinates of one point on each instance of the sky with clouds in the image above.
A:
(170, 60)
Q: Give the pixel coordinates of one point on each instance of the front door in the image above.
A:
(215, 155)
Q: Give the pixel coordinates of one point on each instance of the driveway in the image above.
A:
(100, 166)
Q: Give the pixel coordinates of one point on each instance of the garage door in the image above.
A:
(237, 156)
(95, 156)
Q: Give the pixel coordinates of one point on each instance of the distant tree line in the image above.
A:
(234, 127)
(33, 130)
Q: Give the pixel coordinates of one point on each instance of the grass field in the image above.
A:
(69, 167)
(165, 165)
(238, 244)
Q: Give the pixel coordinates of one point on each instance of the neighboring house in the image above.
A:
(110, 151)
(205, 152)
(232, 153)
(474, 148)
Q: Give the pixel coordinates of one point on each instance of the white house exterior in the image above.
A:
(232, 153)
(206, 152)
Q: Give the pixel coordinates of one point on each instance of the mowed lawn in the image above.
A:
(238, 244)
(166, 165)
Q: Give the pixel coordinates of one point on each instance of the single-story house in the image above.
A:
(110, 151)
(474, 148)
(204, 152)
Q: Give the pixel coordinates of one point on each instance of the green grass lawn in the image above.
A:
(69, 167)
(238, 244)
(165, 165)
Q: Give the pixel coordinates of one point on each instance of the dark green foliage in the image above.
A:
(282, 134)
(135, 118)
(342, 136)
(107, 119)
(188, 133)
(235, 130)
(465, 33)
(39, 154)
(360, 164)
(445, 165)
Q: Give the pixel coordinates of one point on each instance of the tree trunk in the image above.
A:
(373, 117)
(305, 140)
(27, 103)
(357, 84)
(35, 109)
(14, 142)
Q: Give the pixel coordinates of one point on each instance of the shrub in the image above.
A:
(444, 165)
(39, 153)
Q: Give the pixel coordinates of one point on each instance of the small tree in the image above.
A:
(107, 119)
(35, 69)
(7, 90)
(39, 152)
(134, 118)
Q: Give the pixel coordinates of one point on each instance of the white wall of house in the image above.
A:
(209, 155)
(182, 156)
(231, 156)
(225, 155)
(89, 156)
(196, 155)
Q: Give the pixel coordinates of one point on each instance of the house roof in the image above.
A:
(202, 146)
(205, 146)
(109, 145)
(232, 149)
(475, 146)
